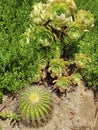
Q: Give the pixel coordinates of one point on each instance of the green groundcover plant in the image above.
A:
(33, 33)
(89, 44)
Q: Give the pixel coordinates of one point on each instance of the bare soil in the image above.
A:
(75, 111)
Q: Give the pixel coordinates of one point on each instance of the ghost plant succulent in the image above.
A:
(57, 67)
(83, 20)
(62, 84)
(11, 115)
(35, 105)
(59, 18)
(38, 14)
(42, 36)
(52, 24)
(75, 78)
(81, 60)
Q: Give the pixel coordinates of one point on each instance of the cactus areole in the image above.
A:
(34, 105)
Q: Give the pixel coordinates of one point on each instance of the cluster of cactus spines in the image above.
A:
(35, 105)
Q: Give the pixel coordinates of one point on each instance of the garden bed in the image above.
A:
(75, 111)
(53, 45)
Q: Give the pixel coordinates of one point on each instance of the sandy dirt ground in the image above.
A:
(75, 111)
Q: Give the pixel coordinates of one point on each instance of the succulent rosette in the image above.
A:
(38, 14)
(39, 34)
(43, 36)
(59, 15)
(57, 51)
(75, 78)
(62, 84)
(57, 67)
(34, 105)
(74, 31)
(82, 21)
(85, 18)
(81, 60)
(69, 3)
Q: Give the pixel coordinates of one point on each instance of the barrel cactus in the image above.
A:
(34, 105)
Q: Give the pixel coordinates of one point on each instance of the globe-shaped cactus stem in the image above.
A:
(35, 106)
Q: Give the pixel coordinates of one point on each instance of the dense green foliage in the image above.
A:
(89, 44)
(13, 22)
(19, 64)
